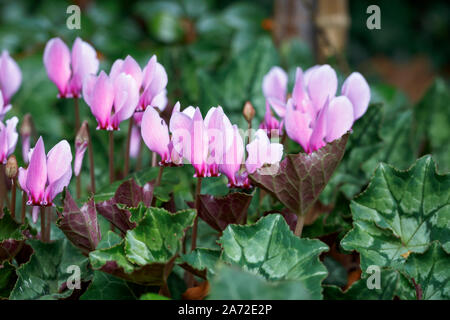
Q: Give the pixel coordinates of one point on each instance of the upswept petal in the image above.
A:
(11, 134)
(102, 98)
(297, 125)
(37, 173)
(149, 71)
(339, 118)
(155, 133)
(357, 90)
(275, 84)
(232, 159)
(84, 62)
(322, 84)
(23, 179)
(59, 161)
(10, 76)
(57, 63)
(57, 186)
(317, 139)
(126, 96)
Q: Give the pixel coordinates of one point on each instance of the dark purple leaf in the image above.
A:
(80, 224)
(302, 177)
(219, 212)
(129, 194)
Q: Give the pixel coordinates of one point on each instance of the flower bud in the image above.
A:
(11, 168)
(248, 111)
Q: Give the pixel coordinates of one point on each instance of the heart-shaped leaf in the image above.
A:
(230, 283)
(46, 274)
(147, 254)
(8, 279)
(270, 249)
(80, 224)
(10, 229)
(219, 212)
(302, 177)
(107, 287)
(400, 212)
(431, 275)
(129, 194)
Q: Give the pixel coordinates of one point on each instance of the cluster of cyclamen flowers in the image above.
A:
(312, 116)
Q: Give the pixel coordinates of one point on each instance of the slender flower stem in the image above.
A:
(91, 160)
(43, 225)
(190, 276)
(111, 156)
(77, 115)
(2, 186)
(24, 207)
(154, 159)
(158, 179)
(139, 158)
(127, 149)
(48, 222)
(13, 198)
(197, 207)
(299, 225)
(157, 183)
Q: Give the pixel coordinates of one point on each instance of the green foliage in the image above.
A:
(46, 274)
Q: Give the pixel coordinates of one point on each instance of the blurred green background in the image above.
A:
(216, 53)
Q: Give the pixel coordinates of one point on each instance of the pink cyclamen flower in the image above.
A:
(3, 107)
(151, 81)
(190, 138)
(46, 176)
(67, 70)
(155, 134)
(261, 151)
(8, 138)
(220, 137)
(315, 116)
(233, 158)
(271, 124)
(111, 100)
(10, 77)
(275, 89)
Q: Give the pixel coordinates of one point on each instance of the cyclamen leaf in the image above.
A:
(270, 249)
(219, 212)
(8, 279)
(10, 229)
(130, 194)
(47, 272)
(302, 177)
(107, 287)
(230, 283)
(80, 224)
(147, 254)
(201, 261)
(430, 271)
(390, 282)
(400, 212)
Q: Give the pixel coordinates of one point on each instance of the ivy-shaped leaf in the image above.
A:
(431, 273)
(219, 212)
(201, 261)
(231, 283)
(147, 254)
(270, 249)
(46, 274)
(10, 229)
(80, 224)
(400, 212)
(8, 279)
(129, 194)
(302, 177)
(107, 287)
